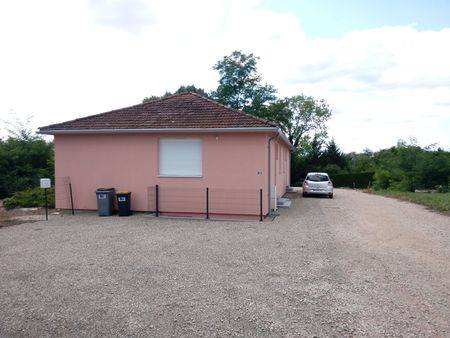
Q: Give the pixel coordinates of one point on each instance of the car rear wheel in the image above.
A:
(330, 196)
(304, 194)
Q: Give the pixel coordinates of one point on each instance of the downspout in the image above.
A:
(268, 169)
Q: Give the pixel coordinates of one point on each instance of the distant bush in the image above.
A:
(30, 198)
(442, 188)
(410, 168)
(355, 180)
(24, 159)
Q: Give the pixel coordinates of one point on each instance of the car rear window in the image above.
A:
(317, 178)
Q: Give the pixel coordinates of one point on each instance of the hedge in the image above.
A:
(30, 198)
(357, 180)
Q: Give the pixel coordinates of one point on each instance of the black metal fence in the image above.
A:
(206, 202)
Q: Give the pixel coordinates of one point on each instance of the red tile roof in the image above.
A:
(185, 110)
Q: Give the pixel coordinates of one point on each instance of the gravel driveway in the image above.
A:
(355, 265)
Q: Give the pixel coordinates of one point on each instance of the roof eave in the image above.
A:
(286, 140)
(153, 130)
(165, 130)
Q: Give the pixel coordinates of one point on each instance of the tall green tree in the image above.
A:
(306, 159)
(302, 118)
(361, 162)
(334, 156)
(240, 84)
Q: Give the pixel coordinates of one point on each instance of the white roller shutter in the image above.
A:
(180, 157)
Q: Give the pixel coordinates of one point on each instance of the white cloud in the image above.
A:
(130, 15)
(63, 60)
(386, 83)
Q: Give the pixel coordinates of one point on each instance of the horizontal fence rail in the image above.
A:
(206, 202)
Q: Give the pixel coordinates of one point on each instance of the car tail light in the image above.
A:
(330, 183)
(305, 184)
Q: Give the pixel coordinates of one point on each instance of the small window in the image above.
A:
(180, 157)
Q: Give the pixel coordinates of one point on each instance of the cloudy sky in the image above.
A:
(383, 66)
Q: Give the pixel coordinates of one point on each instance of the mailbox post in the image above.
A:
(45, 184)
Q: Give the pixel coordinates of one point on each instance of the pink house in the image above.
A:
(183, 144)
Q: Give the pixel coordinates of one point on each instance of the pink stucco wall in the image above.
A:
(280, 169)
(231, 162)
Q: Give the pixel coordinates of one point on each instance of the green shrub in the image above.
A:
(441, 188)
(23, 161)
(404, 184)
(382, 179)
(30, 198)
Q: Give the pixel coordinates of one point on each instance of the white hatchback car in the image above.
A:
(317, 184)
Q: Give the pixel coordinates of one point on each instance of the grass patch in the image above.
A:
(434, 201)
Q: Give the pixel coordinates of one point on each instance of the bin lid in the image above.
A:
(123, 193)
(102, 190)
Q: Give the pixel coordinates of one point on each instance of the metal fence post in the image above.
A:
(71, 198)
(260, 206)
(46, 206)
(156, 200)
(207, 203)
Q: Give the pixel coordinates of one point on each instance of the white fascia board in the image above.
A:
(165, 130)
(161, 130)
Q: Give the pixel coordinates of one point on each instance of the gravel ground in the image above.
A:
(355, 265)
